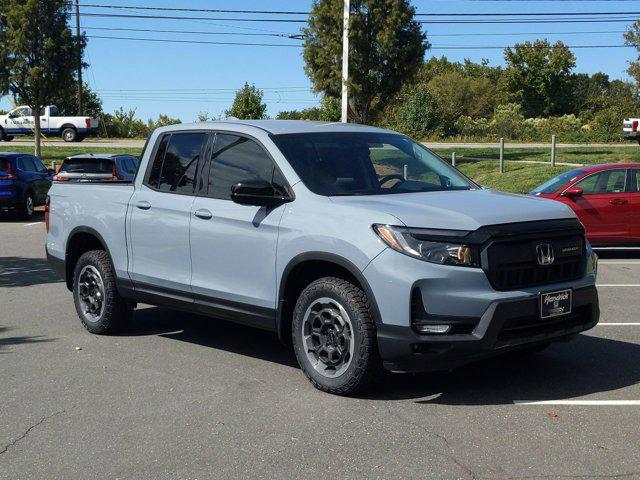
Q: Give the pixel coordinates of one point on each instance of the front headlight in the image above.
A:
(402, 240)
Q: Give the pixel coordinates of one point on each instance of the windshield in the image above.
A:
(345, 163)
(556, 183)
(87, 165)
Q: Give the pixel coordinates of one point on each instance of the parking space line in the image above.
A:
(580, 402)
(621, 262)
(31, 224)
(618, 285)
(617, 324)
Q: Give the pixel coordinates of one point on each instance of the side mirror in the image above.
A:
(258, 193)
(573, 192)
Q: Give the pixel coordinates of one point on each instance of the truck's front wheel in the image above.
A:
(334, 337)
(100, 308)
(69, 134)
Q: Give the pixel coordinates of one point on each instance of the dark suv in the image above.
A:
(24, 183)
(105, 167)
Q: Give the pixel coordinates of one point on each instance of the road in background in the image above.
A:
(180, 396)
(133, 143)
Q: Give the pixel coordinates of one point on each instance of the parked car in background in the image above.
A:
(630, 129)
(95, 168)
(20, 121)
(24, 183)
(357, 245)
(606, 199)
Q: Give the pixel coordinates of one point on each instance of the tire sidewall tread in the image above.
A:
(118, 311)
(366, 365)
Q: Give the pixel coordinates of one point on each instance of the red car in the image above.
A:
(606, 199)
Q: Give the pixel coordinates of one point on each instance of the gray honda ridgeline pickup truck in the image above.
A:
(357, 246)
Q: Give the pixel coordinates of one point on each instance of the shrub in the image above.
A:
(417, 115)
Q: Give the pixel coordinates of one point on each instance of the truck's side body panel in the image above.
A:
(88, 207)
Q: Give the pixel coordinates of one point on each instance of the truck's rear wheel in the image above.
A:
(100, 308)
(69, 134)
(334, 337)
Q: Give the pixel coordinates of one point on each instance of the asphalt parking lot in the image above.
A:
(182, 397)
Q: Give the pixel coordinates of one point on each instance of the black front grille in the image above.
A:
(511, 264)
(531, 326)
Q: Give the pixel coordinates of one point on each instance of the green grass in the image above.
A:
(479, 164)
(581, 155)
(518, 177)
(57, 154)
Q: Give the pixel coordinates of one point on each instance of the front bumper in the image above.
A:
(505, 326)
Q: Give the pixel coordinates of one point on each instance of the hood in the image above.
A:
(460, 210)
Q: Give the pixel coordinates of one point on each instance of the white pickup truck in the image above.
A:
(630, 129)
(20, 121)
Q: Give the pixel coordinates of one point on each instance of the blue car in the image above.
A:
(24, 183)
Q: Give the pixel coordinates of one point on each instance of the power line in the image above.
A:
(507, 34)
(195, 32)
(289, 12)
(435, 47)
(203, 10)
(201, 42)
(433, 22)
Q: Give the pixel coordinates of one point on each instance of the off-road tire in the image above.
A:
(365, 367)
(117, 311)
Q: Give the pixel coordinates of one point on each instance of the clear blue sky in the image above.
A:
(184, 79)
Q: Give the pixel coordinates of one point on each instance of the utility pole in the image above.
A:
(80, 85)
(345, 62)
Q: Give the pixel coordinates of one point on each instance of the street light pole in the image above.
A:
(80, 85)
(345, 62)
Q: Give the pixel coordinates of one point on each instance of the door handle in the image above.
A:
(204, 214)
(143, 205)
(618, 201)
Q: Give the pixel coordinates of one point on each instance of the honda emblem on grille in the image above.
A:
(545, 254)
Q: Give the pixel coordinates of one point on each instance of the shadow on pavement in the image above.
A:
(11, 341)
(587, 365)
(11, 217)
(210, 332)
(614, 253)
(25, 272)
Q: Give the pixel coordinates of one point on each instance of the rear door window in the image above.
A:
(607, 181)
(26, 164)
(87, 165)
(4, 165)
(156, 167)
(181, 162)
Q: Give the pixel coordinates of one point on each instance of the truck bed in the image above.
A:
(90, 207)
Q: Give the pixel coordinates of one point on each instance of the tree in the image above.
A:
(458, 95)
(67, 102)
(248, 104)
(538, 77)
(417, 115)
(328, 111)
(386, 48)
(38, 53)
(632, 38)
